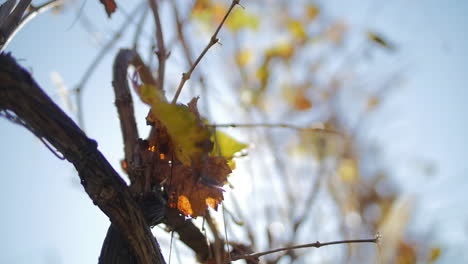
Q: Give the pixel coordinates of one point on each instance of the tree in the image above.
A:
(180, 169)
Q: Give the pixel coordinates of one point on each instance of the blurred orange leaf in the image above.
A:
(372, 102)
(312, 12)
(110, 6)
(336, 31)
(301, 102)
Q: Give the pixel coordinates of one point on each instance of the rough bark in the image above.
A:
(19, 94)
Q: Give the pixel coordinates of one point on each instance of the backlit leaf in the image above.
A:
(190, 136)
(225, 145)
(240, 19)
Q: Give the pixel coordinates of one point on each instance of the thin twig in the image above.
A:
(213, 40)
(15, 21)
(161, 53)
(89, 71)
(188, 53)
(316, 245)
(278, 125)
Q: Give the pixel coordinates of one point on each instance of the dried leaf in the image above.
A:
(380, 40)
(193, 196)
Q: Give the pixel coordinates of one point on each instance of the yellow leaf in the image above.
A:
(226, 145)
(435, 254)
(263, 73)
(240, 19)
(283, 50)
(244, 57)
(190, 137)
(149, 92)
(312, 12)
(348, 171)
(232, 164)
(297, 30)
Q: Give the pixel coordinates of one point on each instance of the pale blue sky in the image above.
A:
(49, 219)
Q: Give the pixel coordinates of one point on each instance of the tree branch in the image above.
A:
(316, 245)
(162, 53)
(10, 24)
(20, 94)
(213, 40)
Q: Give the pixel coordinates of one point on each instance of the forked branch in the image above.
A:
(213, 40)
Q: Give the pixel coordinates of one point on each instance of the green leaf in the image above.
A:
(226, 145)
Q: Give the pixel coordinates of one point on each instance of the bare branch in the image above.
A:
(10, 24)
(213, 40)
(278, 125)
(316, 245)
(161, 53)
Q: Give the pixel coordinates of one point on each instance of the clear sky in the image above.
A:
(47, 217)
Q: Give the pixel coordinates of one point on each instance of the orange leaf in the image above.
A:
(195, 191)
(110, 6)
(301, 102)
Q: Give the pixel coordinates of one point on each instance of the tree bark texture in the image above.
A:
(19, 94)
